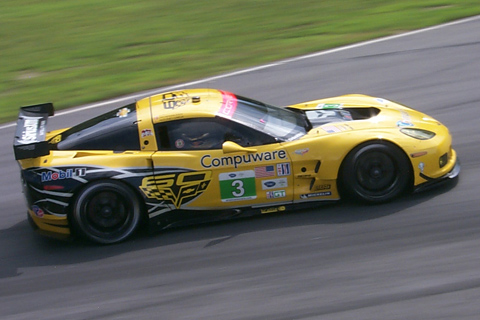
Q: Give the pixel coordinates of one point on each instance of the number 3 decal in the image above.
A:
(239, 190)
(236, 186)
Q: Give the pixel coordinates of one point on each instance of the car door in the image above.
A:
(215, 163)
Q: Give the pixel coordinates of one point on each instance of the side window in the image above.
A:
(207, 133)
(116, 130)
(116, 140)
(195, 134)
(246, 136)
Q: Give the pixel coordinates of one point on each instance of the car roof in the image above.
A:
(188, 103)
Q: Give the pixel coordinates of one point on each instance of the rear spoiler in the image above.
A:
(29, 139)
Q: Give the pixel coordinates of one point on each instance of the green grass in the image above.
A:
(71, 52)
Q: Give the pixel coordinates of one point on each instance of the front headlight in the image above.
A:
(419, 134)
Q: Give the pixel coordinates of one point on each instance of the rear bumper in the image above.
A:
(452, 174)
(51, 226)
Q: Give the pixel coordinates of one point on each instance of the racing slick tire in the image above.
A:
(375, 172)
(106, 212)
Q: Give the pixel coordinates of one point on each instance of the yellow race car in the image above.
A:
(199, 155)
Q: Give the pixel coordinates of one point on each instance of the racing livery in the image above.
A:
(201, 154)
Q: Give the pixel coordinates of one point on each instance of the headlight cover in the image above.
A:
(419, 134)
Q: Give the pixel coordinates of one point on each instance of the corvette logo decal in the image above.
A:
(122, 113)
(178, 188)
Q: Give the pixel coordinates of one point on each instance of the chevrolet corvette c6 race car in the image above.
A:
(201, 154)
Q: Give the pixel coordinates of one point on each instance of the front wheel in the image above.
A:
(106, 212)
(375, 172)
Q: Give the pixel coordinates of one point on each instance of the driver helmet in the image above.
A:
(200, 139)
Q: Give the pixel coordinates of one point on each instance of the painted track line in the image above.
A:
(261, 67)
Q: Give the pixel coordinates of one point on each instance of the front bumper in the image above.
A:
(452, 174)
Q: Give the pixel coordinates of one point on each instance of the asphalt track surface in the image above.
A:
(415, 258)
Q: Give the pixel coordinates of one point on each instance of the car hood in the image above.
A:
(361, 112)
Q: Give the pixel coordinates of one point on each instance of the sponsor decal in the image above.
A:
(401, 123)
(303, 176)
(38, 211)
(326, 106)
(406, 120)
(337, 128)
(272, 210)
(405, 115)
(229, 105)
(421, 166)
(283, 169)
(323, 187)
(177, 188)
(274, 183)
(63, 174)
(331, 129)
(382, 101)
(179, 143)
(237, 186)
(316, 194)
(147, 133)
(31, 127)
(265, 171)
(207, 161)
(269, 184)
(301, 152)
(56, 139)
(122, 113)
(276, 194)
(174, 100)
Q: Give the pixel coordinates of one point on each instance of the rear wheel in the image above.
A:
(106, 212)
(375, 172)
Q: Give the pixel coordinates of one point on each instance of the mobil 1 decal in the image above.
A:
(236, 186)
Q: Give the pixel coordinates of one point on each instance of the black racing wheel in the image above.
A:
(375, 172)
(106, 212)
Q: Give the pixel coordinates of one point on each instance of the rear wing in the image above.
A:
(29, 139)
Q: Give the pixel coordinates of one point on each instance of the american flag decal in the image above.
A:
(266, 171)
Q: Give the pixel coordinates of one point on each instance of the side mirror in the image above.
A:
(231, 147)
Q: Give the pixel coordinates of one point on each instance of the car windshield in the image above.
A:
(281, 123)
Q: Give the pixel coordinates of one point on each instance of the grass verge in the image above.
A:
(72, 52)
